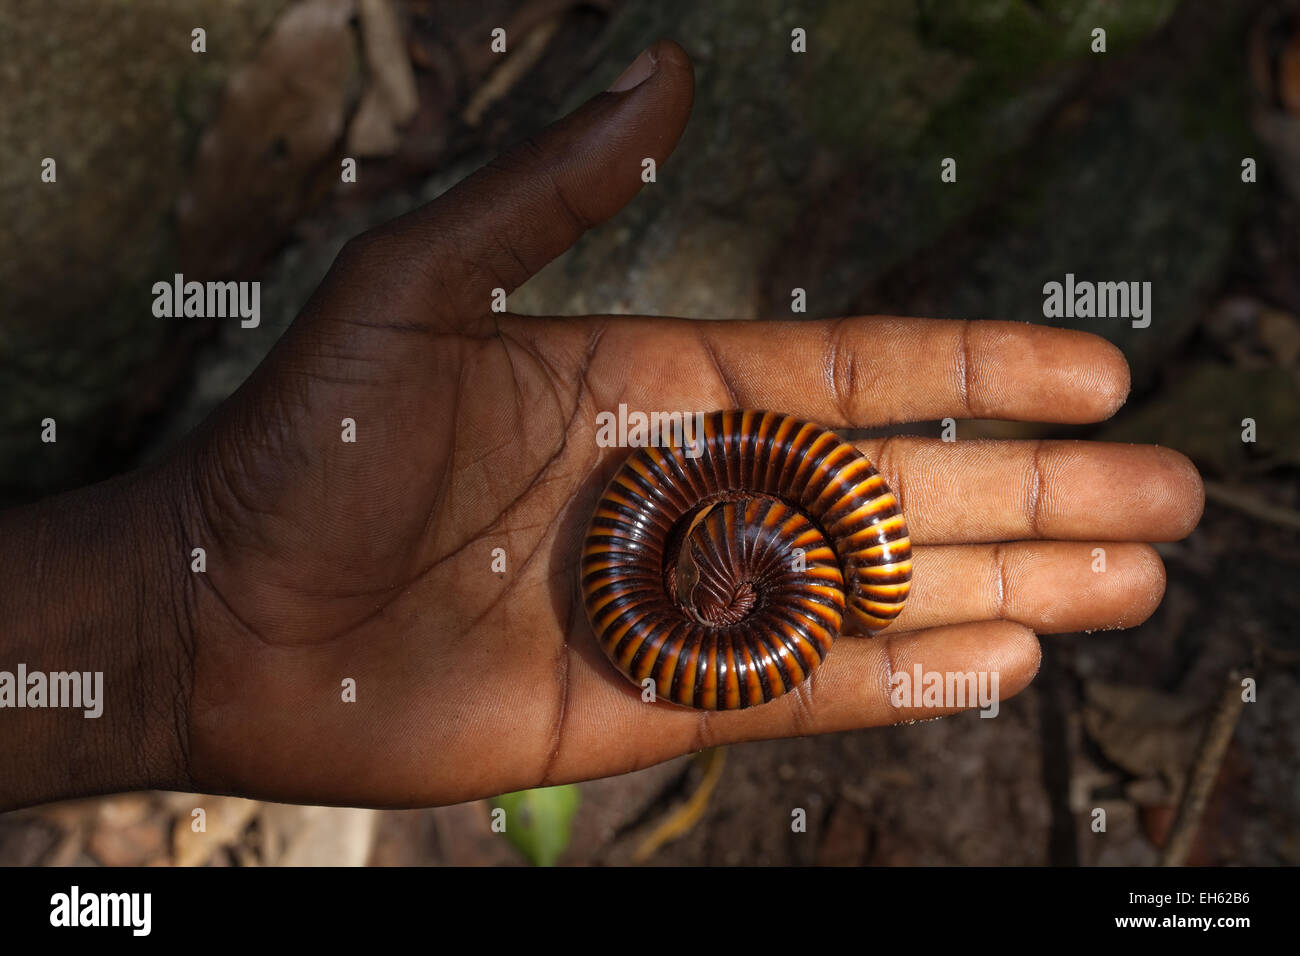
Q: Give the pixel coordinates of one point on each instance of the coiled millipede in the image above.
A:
(722, 569)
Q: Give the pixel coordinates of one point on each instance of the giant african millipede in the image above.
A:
(723, 574)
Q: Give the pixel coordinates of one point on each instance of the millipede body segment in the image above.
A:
(724, 569)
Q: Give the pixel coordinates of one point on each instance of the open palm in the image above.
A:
(373, 560)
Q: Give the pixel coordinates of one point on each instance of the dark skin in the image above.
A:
(475, 430)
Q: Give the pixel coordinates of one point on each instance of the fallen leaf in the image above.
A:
(390, 99)
(317, 836)
(1280, 334)
(224, 819)
(845, 841)
(1144, 731)
(1288, 74)
(269, 154)
(136, 844)
(123, 810)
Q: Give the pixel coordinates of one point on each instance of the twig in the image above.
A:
(686, 816)
(1252, 505)
(511, 70)
(1205, 770)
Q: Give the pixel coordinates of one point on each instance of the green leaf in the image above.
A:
(539, 823)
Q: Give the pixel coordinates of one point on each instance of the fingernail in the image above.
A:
(642, 68)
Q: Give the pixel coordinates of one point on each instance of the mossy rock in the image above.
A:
(113, 93)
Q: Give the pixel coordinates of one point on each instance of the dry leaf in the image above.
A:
(271, 150)
(136, 844)
(225, 820)
(123, 810)
(1288, 74)
(1280, 334)
(318, 836)
(390, 98)
(1144, 731)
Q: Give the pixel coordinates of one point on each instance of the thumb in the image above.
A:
(501, 225)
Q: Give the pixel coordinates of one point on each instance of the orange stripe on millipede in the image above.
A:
(774, 521)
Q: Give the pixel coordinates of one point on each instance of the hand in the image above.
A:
(475, 430)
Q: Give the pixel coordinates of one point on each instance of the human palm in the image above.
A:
(373, 560)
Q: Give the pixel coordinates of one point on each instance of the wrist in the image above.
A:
(95, 594)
